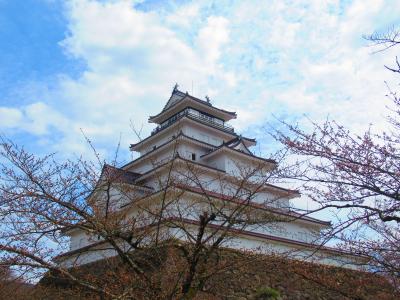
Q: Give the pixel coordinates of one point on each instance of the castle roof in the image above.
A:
(180, 100)
(227, 133)
(114, 174)
(232, 146)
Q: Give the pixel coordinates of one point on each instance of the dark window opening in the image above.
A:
(193, 156)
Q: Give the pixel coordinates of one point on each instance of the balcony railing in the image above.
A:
(195, 115)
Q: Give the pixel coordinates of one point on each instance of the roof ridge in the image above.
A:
(183, 95)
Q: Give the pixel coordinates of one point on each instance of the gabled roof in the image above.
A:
(175, 97)
(114, 174)
(231, 146)
(178, 97)
(236, 142)
(111, 174)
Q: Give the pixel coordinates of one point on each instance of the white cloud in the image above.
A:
(9, 117)
(184, 15)
(35, 118)
(211, 38)
(132, 61)
(274, 57)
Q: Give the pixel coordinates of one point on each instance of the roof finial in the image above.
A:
(208, 99)
(176, 86)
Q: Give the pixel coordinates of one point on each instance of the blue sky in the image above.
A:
(30, 33)
(67, 66)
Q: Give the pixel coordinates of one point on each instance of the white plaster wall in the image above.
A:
(258, 245)
(183, 147)
(237, 166)
(191, 129)
(241, 147)
(152, 161)
(161, 138)
(185, 150)
(204, 134)
(240, 242)
(290, 230)
(218, 162)
(117, 195)
(191, 206)
(295, 230)
(293, 252)
(240, 167)
(270, 199)
(79, 239)
(95, 254)
(214, 182)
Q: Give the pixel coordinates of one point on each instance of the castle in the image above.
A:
(194, 166)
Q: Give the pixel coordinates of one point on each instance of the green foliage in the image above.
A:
(267, 293)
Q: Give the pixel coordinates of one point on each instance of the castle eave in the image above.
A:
(223, 148)
(180, 136)
(229, 134)
(192, 102)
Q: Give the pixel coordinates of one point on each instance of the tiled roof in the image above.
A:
(178, 96)
(187, 118)
(114, 174)
(225, 146)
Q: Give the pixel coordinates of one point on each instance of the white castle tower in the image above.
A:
(194, 152)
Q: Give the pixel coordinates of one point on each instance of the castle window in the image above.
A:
(193, 156)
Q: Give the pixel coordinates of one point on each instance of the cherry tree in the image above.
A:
(163, 247)
(355, 176)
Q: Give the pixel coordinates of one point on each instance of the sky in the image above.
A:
(95, 67)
